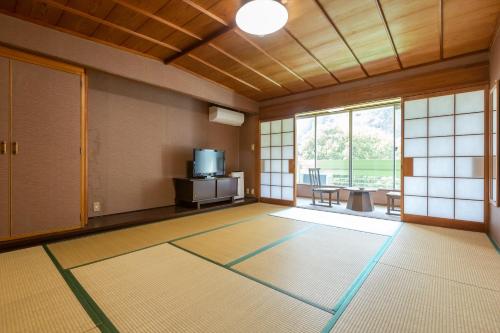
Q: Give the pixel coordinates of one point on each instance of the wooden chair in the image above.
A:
(391, 196)
(315, 179)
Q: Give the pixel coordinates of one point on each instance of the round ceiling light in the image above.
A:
(261, 17)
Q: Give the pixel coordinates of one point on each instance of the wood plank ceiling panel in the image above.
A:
(39, 11)
(174, 12)
(468, 25)
(126, 18)
(238, 47)
(360, 23)
(8, 5)
(322, 40)
(82, 25)
(199, 68)
(414, 25)
(224, 10)
(284, 48)
(220, 60)
(198, 24)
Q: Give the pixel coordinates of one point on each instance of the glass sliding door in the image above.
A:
(444, 157)
(277, 159)
(373, 148)
(306, 148)
(355, 147)
(332, 148)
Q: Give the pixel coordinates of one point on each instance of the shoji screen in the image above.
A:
(277, 159)
(444, 157)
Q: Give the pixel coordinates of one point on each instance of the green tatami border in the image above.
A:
(249, 219)
(341, 306)
(89, 305)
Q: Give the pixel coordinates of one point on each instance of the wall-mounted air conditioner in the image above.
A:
(224, 116)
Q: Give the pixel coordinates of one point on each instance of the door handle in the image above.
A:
(3, 148)
(15, 148)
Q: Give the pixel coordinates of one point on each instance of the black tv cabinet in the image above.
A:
(200, 191)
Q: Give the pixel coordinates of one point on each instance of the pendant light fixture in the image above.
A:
(261, 17)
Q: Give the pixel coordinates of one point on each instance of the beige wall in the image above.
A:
(89, 54)
(140, 137)
(495, 75)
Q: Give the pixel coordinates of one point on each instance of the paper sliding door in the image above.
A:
(277, 160)
(444, 159)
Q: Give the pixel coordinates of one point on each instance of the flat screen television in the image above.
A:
(208, 163)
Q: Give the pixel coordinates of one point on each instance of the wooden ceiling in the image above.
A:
(326, 42)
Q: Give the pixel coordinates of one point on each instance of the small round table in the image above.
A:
(360, 199)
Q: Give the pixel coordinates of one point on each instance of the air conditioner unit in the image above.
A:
(224, 116)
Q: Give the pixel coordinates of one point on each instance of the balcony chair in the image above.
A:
(315, 179)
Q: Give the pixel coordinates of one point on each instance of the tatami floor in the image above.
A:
(256, 268)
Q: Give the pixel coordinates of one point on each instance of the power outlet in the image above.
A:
(252, 192)
(97, 206)
(247, 191)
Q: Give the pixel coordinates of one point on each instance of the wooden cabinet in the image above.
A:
(227, 187)
(199, 191)
(42, 172)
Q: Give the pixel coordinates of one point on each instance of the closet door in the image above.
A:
(4, 156)
(46, 106)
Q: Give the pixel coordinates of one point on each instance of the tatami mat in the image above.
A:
(35, 298)
(398, 300)
(318, 266)
(227, 244)
(463, 256)
(164, 289)
(366, 224)
(84, 250)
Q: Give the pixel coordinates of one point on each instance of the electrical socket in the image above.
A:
(97, 206)
(247, 191)
(252, 192)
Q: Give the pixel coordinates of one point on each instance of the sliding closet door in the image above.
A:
(277, 160)
(4, 156)
(444, 159)
(46, 125)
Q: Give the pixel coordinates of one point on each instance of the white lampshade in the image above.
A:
(261, 17)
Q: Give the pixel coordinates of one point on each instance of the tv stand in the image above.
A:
(205, 190)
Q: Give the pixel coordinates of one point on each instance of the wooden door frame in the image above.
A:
(442, 222)
(13, 54)
(495, 203)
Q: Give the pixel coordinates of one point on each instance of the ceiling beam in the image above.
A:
(107, 23)
(198, 44)
(229, 27)
(159, 19)
(312, 55)
(441, 30)
(223, 72)
(323, 10)
(388, 31)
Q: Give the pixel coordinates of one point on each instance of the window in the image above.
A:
(373, 148)
(306, 150)
(332, 148)
(356, 147)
